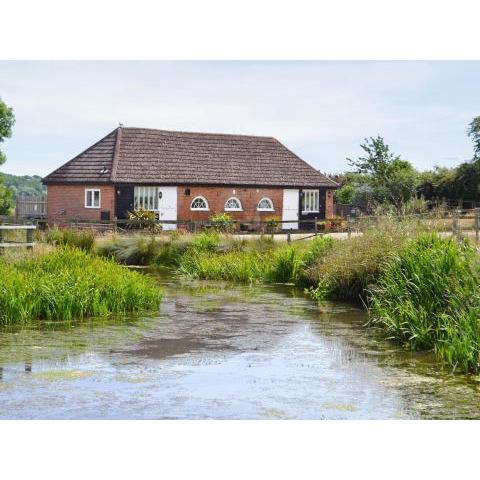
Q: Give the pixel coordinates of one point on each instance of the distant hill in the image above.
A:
(24, 184)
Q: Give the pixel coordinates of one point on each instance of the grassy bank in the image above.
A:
(69, 284)
(421, 290)
(216, 257)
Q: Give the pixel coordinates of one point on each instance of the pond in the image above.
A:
(224, 351)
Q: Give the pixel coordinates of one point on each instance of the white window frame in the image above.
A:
(260, 209)
(310, 199)
(146, 192)
(196, 209)
(229, 209)
(93, 190)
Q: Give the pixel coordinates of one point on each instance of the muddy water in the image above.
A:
(218, 350)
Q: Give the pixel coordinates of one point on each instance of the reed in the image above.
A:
(71, 284)
(428, 298)
(83, 239)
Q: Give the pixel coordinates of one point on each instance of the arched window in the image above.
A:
(199, 203)
(233, 204)
(265, 205)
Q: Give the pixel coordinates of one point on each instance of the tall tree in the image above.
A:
(381, 176)
(474, 133)
(7, 119)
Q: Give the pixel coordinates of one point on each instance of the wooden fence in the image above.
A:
(31, 207)
(7, 240)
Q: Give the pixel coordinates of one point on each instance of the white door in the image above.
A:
(290, 208)
(167, 206)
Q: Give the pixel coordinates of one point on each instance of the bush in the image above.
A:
(138, 250)
(70, 284)
(83, 239)
(428, 297)
(222, 222)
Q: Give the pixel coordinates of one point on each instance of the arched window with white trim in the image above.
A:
(265, 205)
(199, 203)
(233, 204)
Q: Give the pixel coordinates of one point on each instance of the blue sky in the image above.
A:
(320, 110)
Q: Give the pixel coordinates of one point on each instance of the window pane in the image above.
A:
(96, 198)
(89, 198)
(198, 203)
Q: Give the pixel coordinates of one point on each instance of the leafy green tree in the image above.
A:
(7, 119)
(474, 133)
(381, 176)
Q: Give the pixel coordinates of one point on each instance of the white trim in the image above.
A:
(316, 196)
(228, 209)
(93, 198)
(199, 209)
(265, 209)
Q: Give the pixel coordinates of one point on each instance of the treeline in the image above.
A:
(30, 185)
(382, 181)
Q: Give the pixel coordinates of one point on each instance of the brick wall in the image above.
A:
(217, 196)
(329, 203)
(67, 202)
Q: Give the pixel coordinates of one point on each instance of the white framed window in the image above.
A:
(233, 204)
(145, 198)
(265, 205)
(199, 203)
(92, 198)
(310, 201)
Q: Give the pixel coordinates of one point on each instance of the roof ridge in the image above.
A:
(200, 133)
(116, 149)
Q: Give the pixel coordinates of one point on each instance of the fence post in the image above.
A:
(349, 227)
(477, 224)
(289, 237)
(454, 225)
(29, 238)
(316, 225)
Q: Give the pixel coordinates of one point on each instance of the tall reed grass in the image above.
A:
(83, 239)
(428, 298)
(70, 284)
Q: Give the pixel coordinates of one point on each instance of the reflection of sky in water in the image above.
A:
(223, 351)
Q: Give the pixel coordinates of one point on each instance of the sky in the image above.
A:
(321, 110)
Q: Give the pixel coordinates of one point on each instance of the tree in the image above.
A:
(382, 177)
(7, 119)
(474, 133)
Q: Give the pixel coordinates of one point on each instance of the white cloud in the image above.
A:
(322, 110)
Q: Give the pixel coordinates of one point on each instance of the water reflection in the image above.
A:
(223, 351)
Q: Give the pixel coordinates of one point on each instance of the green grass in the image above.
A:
(83, 239)
(428, 298)
(70, 284)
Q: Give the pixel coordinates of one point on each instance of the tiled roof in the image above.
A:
(140, 155)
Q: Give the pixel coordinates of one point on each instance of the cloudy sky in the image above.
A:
(321, 110)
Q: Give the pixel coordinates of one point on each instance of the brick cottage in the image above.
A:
(186, 177)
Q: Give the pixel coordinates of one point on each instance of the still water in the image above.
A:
(218, 350)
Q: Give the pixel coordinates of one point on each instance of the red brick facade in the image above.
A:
(217, 196)
(329, 204)
(66, 203)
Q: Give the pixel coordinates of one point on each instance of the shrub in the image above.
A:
(348, 269)
(143, 219)
(428, 297)
(70, 284)
(222, 222)
(83, 239)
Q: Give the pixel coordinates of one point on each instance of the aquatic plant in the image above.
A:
(70, 284)
(428, 298)
(83, 239)
(352, 265)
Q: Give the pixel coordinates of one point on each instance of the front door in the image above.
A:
(167, 206)
(290, 209)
